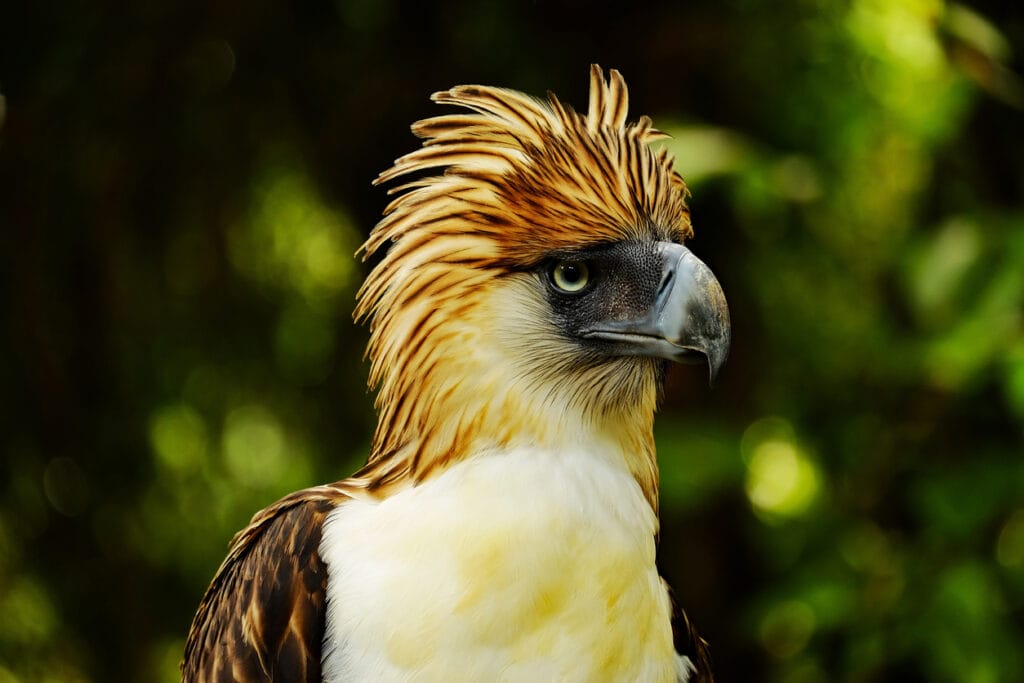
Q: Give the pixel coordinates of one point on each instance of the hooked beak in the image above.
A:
(688, 321)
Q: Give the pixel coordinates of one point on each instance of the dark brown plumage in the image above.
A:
(262, 618)
(690, 644)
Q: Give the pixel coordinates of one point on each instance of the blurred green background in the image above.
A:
(182, 188)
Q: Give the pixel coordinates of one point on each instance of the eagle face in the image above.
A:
(597, 326)
(639, 299)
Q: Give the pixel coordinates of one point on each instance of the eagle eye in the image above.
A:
(570, 276)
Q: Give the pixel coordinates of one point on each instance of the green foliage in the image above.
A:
(183, 193)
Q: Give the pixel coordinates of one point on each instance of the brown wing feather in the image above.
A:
(689, 644)
(262, 618)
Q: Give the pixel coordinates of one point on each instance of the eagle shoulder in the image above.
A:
(262, 618)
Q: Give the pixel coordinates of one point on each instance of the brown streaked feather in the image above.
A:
(615, 115)
(690, 644)
(262, 618)
(596, 108)
(512, 107)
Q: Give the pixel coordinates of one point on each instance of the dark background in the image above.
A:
(182, 189)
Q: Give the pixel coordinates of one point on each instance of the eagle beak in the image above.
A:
(688, 321)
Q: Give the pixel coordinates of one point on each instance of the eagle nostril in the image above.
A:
(665, 283)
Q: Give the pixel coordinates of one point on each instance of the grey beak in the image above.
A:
(688, 321)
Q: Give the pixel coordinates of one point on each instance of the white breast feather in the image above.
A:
(519, 566)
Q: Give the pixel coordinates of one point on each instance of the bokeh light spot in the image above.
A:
(782, 480)
(178, 436)
(786, 628)
(797, 179)
(937, 273)
(1010, 544)
(293, 241)
(163, 659)
(29, 616)
(65, 486)
(254, 445)
(703, 152)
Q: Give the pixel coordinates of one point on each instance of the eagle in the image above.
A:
(531, 286)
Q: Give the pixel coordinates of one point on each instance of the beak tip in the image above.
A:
(715, 364)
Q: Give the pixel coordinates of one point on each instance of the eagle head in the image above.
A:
(533, 284)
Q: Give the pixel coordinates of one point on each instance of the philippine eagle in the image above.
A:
(532, 286)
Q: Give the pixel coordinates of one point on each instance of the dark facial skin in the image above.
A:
(622, 281)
